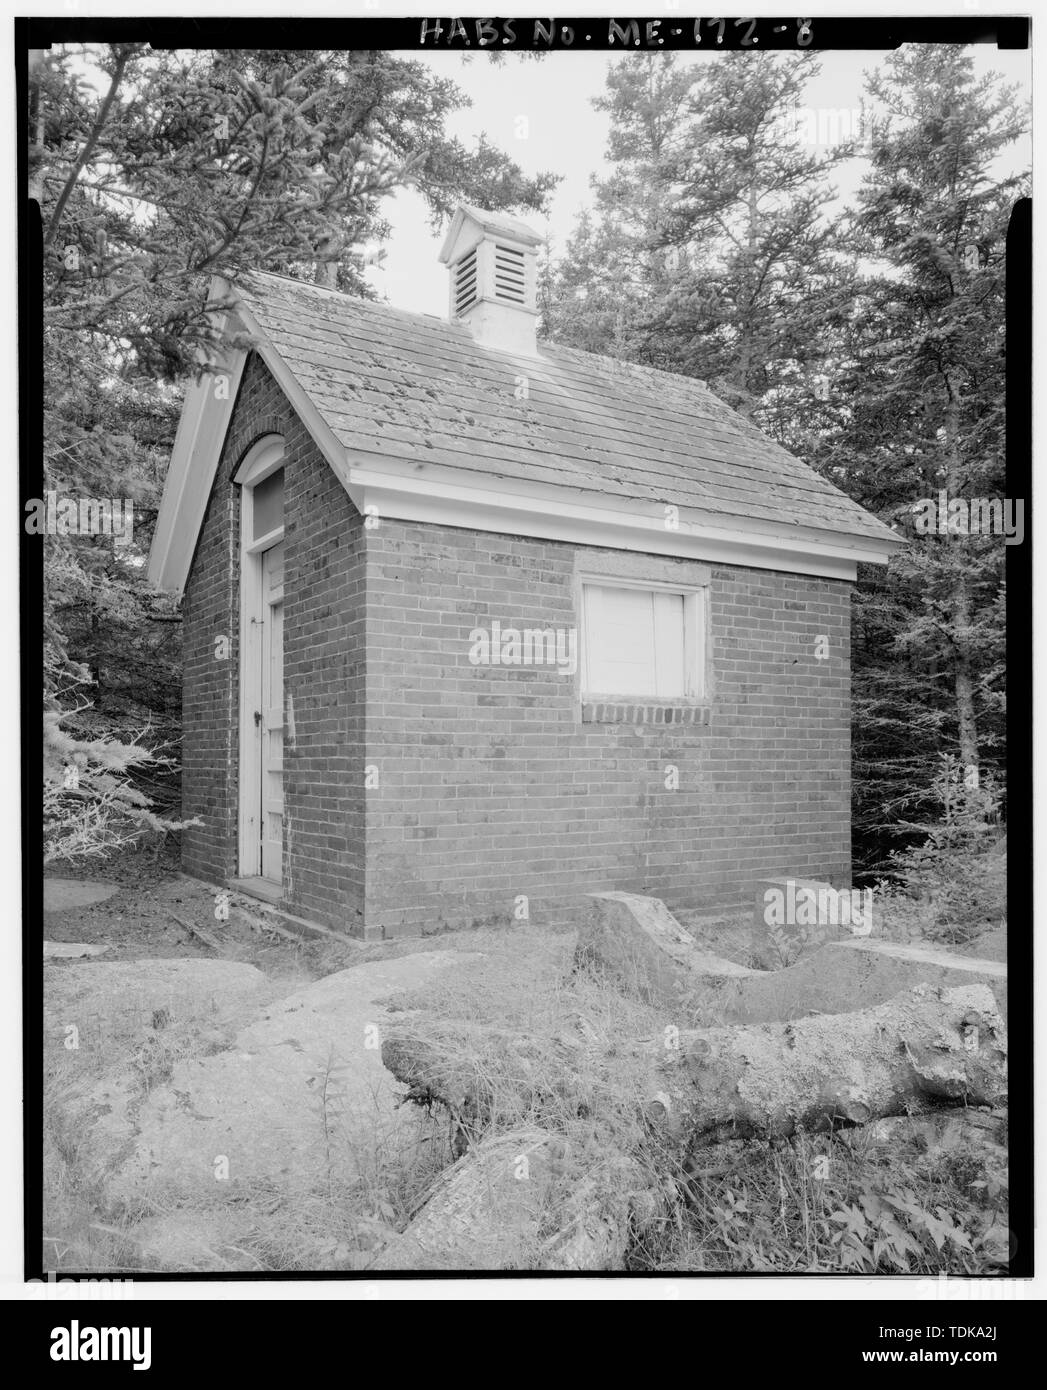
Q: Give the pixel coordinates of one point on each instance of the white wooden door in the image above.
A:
(272, 714)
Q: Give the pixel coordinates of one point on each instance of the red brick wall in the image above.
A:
(489, 785)
(492, 787)
(323, 670)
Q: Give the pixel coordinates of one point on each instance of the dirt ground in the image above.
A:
(142, 920)
(155, 902)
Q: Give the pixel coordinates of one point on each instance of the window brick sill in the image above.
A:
(624, 712)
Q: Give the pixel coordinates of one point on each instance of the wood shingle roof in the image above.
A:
(419, 389)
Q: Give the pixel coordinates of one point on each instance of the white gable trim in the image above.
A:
(201, 435)
(202, 428)
(380, 486)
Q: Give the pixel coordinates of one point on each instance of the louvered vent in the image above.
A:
(509, 283)
(491, 292)
(465, 282)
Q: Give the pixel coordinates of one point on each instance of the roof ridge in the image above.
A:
(303, 284)
(350, 299)
(621, 363)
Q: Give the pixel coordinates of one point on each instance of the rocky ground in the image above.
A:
(216, 1098)
(222, 1106)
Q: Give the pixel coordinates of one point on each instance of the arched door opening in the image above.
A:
(261, 476)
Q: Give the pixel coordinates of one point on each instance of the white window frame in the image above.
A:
(695, 638)
(265, 457)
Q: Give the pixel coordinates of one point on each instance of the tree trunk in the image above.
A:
(960, 603)
(764, 1080)
(963, 684)
(512, 1202)
(774, 1078)
(745, 345)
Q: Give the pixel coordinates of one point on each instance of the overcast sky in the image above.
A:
(566, 135)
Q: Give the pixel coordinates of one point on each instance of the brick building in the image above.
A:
(474, 624)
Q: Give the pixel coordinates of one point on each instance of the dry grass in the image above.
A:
(539, 1047)
(929, 1197)
(335, 1224)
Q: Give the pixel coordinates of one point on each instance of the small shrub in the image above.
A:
(956, 880)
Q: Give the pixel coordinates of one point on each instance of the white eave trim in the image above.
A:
(543, 512)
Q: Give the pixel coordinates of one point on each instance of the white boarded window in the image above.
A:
(642, 641)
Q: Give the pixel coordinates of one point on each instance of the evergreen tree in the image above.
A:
(924, 379)
(155, 171)
(711, 252)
